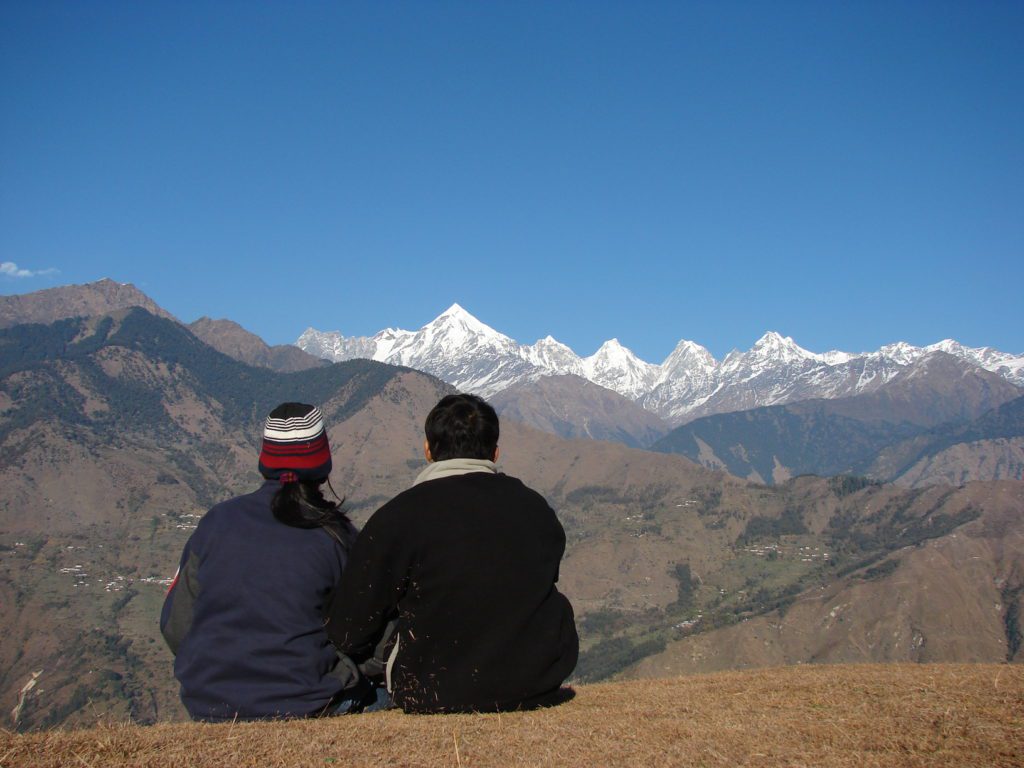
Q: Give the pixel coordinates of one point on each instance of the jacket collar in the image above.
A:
(453, 467)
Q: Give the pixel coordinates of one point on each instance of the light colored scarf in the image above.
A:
(452, 467)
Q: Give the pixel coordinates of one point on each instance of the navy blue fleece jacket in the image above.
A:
(245, 614)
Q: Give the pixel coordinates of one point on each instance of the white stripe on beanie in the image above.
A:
(296, 429)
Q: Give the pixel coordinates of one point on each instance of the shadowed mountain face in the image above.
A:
(990, 447)
(117, 433)
(940, 396)
(234, 341)
(773, 444)
(571, 406)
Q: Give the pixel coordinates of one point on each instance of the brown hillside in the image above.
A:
(950, 598)
(571, 406)
(823, 716)
(234, 341)
(998, 459)
(52, 304)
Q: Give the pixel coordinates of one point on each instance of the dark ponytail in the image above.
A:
(302, 505)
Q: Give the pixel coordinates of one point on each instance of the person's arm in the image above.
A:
(374, 582)
(557, 534)
(176, 616)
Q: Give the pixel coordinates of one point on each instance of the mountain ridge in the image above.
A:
(879, 433)
(571, 406)
(688, 384)
(66, 301)
(235, 341)
(117, 433)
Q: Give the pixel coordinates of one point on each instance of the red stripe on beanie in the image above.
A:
(296, 461)
(294, 449)
(277, 453)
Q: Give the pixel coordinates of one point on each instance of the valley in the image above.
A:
(119, 430)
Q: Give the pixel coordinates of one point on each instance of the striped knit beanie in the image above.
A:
(295, 444)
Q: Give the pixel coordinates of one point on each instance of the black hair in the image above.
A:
(462, 427)
(302, 505)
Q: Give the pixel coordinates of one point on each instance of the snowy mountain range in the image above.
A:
(459, 349)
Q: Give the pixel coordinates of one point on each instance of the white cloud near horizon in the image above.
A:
(10, 269)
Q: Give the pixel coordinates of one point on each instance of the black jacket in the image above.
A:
(468, 566)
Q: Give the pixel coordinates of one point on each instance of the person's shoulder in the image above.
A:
(513, 482)
(516, 486)
(394, 511)
(232, 511)
(228, 506)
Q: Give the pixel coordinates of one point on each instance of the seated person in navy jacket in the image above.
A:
(244, 615)
(460, 569)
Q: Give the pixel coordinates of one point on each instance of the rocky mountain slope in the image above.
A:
(990, 447)
(996, 459)
(571, 406)
(66, 301)
(899, 608)
(105, 296)
(688, 384)
(234, 341)
(871, 433)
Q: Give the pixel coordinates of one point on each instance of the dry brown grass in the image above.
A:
(870, 715)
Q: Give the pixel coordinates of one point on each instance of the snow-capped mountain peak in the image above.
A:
(462, 350)
(835, 357)
(387, 341)
(617, 368)
(900, 352)
(771, 352)
(612, 347)
(612, 354)
(688, 355)
(986, 357)
(451, 336)
(460, 326)
(775, 346)
(553, 356)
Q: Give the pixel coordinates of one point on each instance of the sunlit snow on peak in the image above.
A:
(467, 353)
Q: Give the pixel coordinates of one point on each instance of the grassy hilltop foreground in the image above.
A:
(852, 715)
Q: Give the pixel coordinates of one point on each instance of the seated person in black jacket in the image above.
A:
(462, 569)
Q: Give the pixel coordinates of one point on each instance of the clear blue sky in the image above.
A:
(848, 174)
